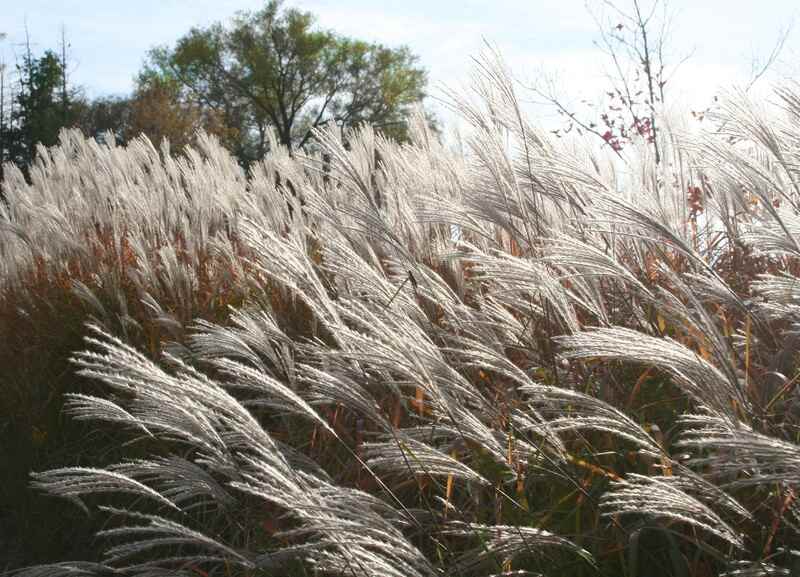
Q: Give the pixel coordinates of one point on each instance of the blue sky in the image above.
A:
(539, 38)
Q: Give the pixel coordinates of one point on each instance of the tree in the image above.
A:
(157, 111)
(37, 116)
(42, 106)
(105, 114)
(273, 69)
(635, 43)
(634, 36)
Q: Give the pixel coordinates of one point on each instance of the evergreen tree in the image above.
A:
(36, 117)
(42, 106)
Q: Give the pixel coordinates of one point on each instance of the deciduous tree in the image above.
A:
(275, 70)
(158, 111)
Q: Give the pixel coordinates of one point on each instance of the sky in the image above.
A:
(546, 43)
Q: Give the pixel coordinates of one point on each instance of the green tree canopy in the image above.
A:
(273, 69)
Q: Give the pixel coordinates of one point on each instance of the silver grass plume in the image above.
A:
(696, 376)
(663, 498)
